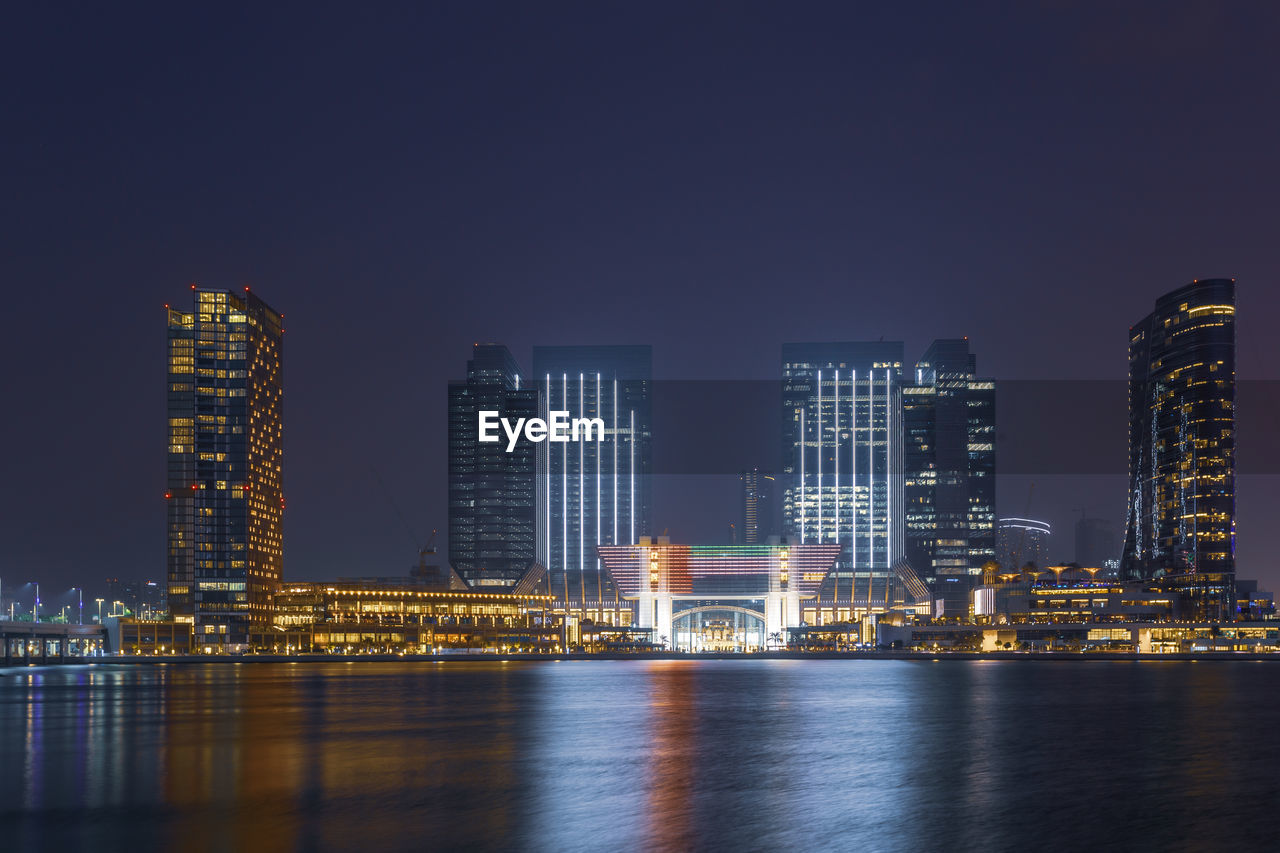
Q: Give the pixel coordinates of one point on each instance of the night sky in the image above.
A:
(713, 179)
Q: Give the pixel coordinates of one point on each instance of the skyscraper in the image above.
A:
(949, 460)
(225, 494)
(842, 464)
(1096, 542)
(1181, 513)
(757, 520)
(491, 492)
(593, 493)
(1021, 541)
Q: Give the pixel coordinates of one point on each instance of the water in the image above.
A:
(661, 755)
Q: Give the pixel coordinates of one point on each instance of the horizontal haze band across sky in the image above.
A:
(711, 180)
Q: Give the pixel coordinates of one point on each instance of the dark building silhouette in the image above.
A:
(1097, 542)
(491, 492)
(225, 490)
(758, 519)
(593, 493)
(949, 466)
(1022, 540)
(1180, 518)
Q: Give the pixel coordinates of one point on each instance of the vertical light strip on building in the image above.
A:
(615, 461)
(871, 472)
(631, 509)
(888, 474)
(547, 450)
(835, 435)
(853, 475)
(820, 454)
(803, 443)
(582, 500)
(599, 505)
(564, 491)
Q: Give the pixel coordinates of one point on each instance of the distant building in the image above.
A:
(1022, 540)
(842, 467)
(758, 519)
(949, 459)
(1181, 513)
(225, 459)
(598, 492)
(492, 492)
(1097, 542)
(141, 599)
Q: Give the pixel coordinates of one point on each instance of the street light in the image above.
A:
(35, 607)
(99, 600)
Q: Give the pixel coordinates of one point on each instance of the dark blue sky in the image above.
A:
(713, 179)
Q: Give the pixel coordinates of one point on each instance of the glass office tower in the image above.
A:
(1181, 514)
(491, 491)
(949, 492)
(597, 492)
(842, 464)
(225, 495)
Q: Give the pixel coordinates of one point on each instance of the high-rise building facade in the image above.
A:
(592, 493)
(225, 490)
(1181, 512)
(758, 519)
(842, 464)
(1020, 541)
(491, 491)
(949, 461)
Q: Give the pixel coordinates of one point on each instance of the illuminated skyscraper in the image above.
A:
(491, 491)
(593, 493)
(1181, 514)
(950, 463)
(842, 464)
(225, 496)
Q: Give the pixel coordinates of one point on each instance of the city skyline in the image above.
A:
(697, 426)
(862, 236)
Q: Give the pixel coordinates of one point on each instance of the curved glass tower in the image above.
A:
(1181, 514)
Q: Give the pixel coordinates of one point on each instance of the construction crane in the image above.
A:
(429, 548)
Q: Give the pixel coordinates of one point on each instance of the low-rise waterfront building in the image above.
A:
(384, 615)
(131, 636)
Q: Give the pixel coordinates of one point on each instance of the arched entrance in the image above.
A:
(718, 628)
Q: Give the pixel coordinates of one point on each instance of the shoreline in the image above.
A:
(163, 660)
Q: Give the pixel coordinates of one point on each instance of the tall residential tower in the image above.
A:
(225, 495)
(1181, 513)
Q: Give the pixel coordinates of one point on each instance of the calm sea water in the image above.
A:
(660, 755)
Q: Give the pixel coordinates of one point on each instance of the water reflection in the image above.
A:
(662, 755)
